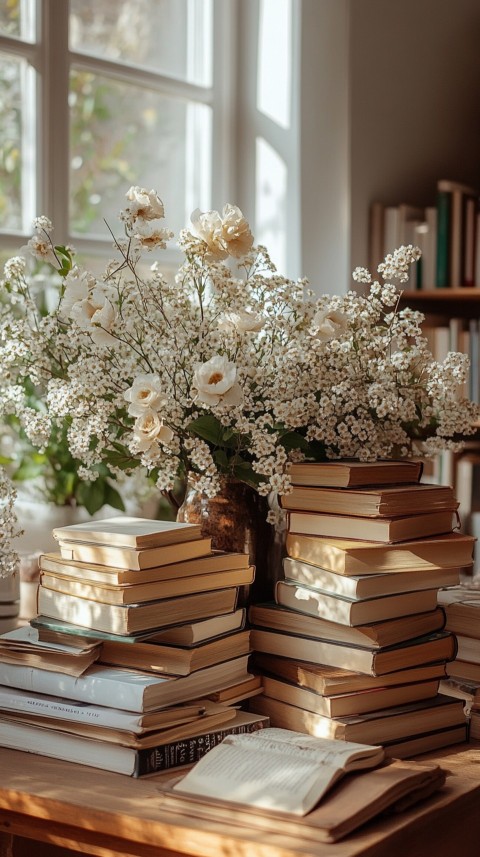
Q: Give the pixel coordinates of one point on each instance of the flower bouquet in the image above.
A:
(225, 370)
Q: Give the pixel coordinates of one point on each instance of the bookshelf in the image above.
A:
(445, 303)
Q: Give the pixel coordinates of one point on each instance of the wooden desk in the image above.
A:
(107, 814)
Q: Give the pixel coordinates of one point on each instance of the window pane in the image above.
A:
(17, 19)
(122, 135)
(168, 36)
(10, 143)
(274, 79)
(271, 179)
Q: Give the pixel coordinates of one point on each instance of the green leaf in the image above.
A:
(294, 440)
(208, 428)
(28, 470)
(91, 495)
(221, 459)
(113, 498)
(245, 473)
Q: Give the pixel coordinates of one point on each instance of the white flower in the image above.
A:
(76, 284)
(145, 204)
(96, 316)
(236, 231)
(208, 227)
(149, 429)
(216, 381)
(41, 248)
(328, 324)
(243, 321)
(14, 267)
(42, 222)
(145, 394)
(151, 234)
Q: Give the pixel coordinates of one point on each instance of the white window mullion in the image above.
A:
(224, 136)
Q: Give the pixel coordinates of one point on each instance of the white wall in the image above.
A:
(415, 111)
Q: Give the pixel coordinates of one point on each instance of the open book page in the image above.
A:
(281, 770)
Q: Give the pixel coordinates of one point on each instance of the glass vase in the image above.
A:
(236, 520)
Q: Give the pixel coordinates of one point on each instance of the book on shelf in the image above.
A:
(347, 704)
(386, 530)
(456, 228)
(22, 646)
(386, 502)
(342, 610)
(186, 634)
(369, 585)
(123, 760)
(128, 619)
(123, 531)
(429, 249)
(126, 689)
(376, 233)
(132, 559)
(389, 724)
(439, 646)
(350, 803)
(144, 592)
(345, 474)
(55, 707)
(427, 742)
(334, 681)
(214, 715)
(276, 769)
(173, 660)
(350, 557)
(210, 564)
(391, 632)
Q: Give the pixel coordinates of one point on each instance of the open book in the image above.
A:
(279, 769)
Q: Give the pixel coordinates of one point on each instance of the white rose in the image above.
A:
(329, 324)
(144, 394)
(243, 321)
(208, 227)
(77, 284)
(236, 231)
(149, 429)
(96, 316)
(216, 381)
(151, 234)
(144, 203)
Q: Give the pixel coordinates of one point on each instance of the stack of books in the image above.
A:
(139, 653)
(354, 646)
(462, 610)
(9, 602)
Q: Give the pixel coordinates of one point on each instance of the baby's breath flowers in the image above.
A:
(9, 529)
(228, 369)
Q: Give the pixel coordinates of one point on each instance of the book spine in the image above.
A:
(187, 752)
(443, 239)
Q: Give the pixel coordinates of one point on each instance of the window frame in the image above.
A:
(51, 59)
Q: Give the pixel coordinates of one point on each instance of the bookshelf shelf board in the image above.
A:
(462, 303)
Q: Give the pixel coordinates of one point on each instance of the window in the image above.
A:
(97, 95)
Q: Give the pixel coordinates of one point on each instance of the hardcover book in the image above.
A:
(370, 585)
(132, 559)
(348, 611)
(390, 724)
(126, 689)
(386, 502)
(211, 563)
(119, 759)
(440, 646)
(388, 530)
(129, 619)
(123, 531)
(343, 474)
(358, 557)
(388, 633)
